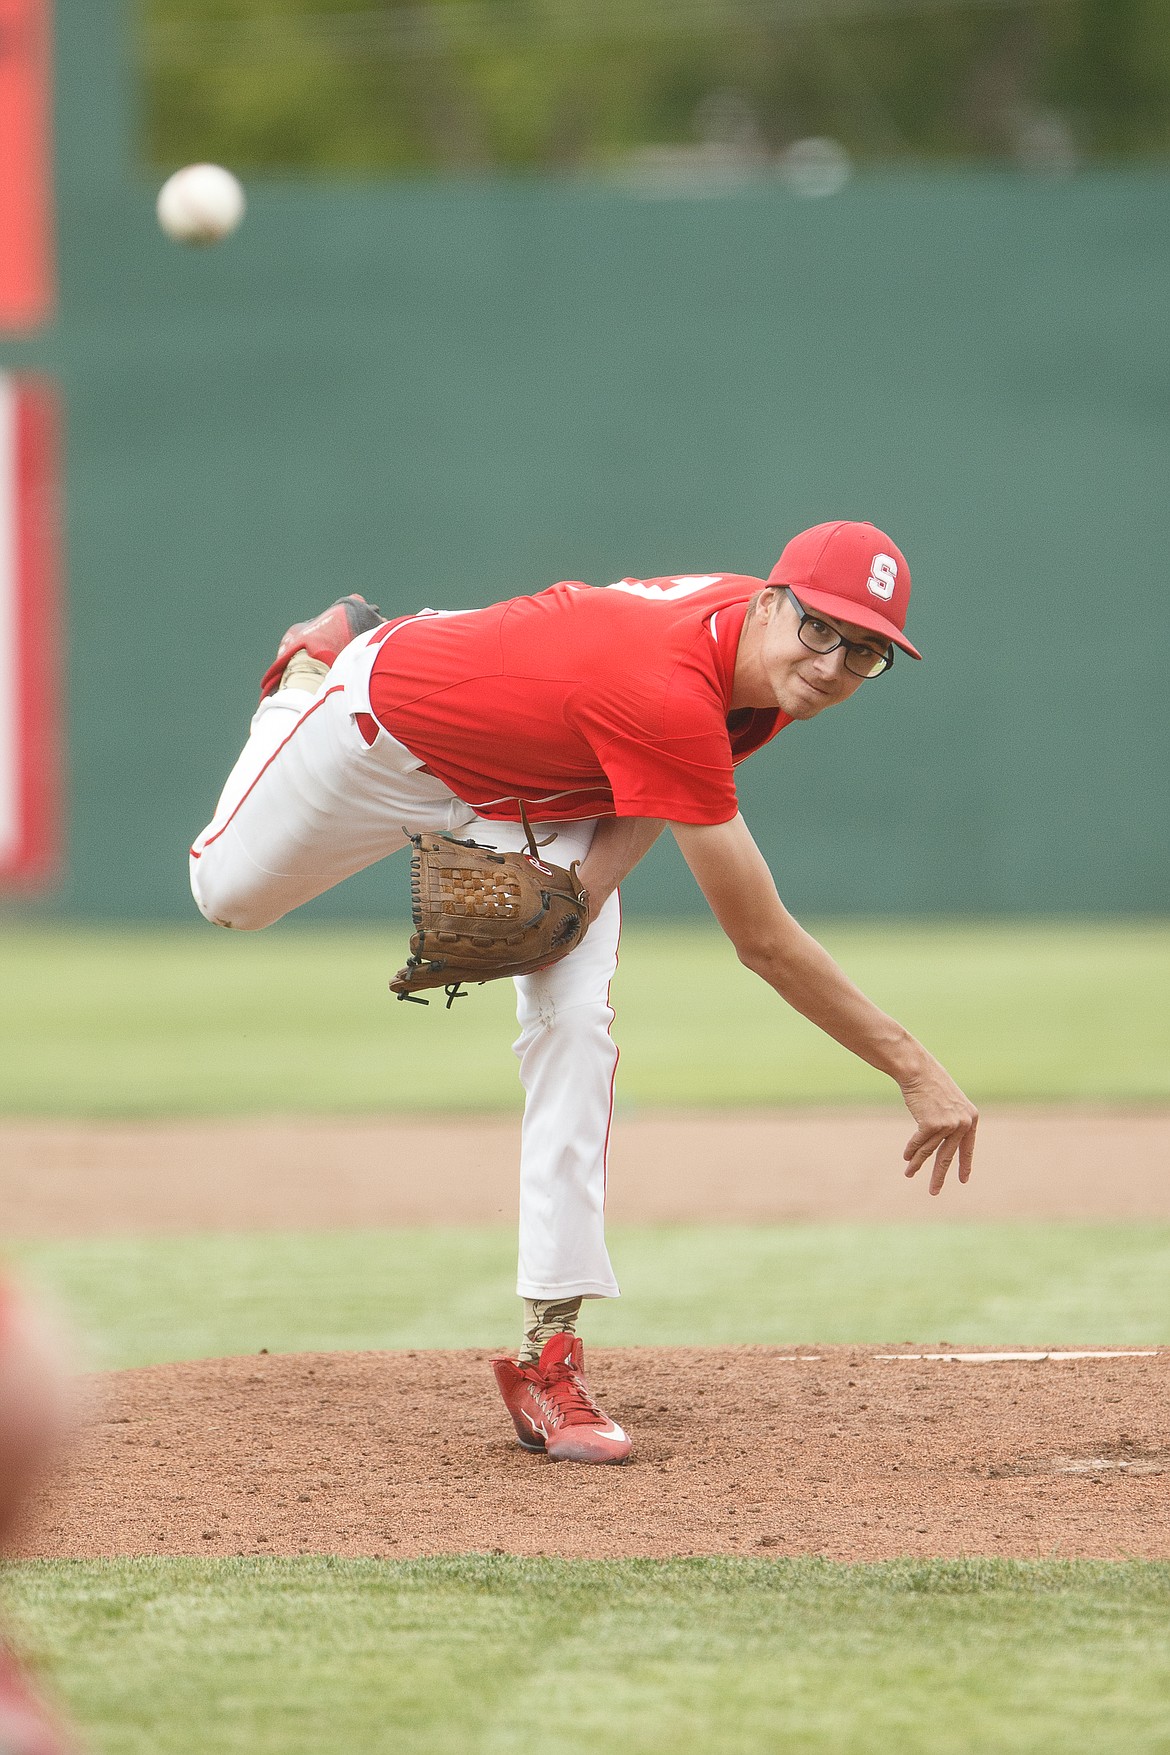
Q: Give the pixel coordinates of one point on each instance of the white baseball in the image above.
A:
(200, 204)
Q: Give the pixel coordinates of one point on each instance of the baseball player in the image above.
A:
(603, 715)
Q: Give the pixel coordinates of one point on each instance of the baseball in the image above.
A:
(200, 204)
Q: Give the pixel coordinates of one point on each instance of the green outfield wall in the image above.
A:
(443, 394)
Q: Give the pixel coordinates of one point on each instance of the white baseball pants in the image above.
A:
(309, 803)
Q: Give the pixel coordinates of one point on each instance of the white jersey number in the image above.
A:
(686, 586)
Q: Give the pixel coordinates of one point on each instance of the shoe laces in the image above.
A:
(570, 1398)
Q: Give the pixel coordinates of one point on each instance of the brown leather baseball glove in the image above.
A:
(480, 915)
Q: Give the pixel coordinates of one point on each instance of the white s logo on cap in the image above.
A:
(883, 576)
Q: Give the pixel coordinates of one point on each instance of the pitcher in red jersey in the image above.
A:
(610, 714)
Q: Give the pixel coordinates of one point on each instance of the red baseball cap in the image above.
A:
(850, 571)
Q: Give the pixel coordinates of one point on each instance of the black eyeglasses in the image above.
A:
(861, 658)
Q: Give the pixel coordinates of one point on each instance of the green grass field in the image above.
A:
(301, 1657)
(143, 1300)
(486, 1654)
(194, 1021)
(491, 1655)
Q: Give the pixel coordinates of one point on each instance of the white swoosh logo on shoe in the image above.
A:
(537, 1425)
(615, 1431)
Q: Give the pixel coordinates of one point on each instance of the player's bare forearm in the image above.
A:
(734, 876)
(776, 946)
(617, 846)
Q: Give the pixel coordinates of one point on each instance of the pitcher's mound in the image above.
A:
(845, 1452)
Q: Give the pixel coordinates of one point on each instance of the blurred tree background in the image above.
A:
(708, 87)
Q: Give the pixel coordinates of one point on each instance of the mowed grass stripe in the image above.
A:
(199, 1022)
(492, 1654)
(144, 1300)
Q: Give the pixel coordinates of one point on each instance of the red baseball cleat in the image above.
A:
(552, 1409)
(27, 1727)
(324, 637)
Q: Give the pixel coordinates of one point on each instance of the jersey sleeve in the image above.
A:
(682, 779)
(687, 778)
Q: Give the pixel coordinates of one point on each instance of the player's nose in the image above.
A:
(830, 666)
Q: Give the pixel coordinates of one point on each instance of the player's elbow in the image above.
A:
(760, 955)
(771, 950)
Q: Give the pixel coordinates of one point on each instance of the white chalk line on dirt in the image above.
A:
(1002, 1359)
(1017, 1358)
(1099, 1465)
(984, 1358)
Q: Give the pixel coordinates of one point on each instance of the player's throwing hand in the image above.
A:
(946, 1119)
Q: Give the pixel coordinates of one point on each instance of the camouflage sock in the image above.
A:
(544, 1318)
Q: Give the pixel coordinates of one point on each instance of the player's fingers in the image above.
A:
(920, 1149)
(919, 1138)
(967, 1151)
(946, 1157)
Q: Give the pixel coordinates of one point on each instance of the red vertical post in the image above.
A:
(27, 290)
(31, 632)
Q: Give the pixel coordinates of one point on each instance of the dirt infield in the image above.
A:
(79, 1178)
(740, 1451)
(745, 1451)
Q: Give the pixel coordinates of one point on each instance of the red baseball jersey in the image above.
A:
(581, 701)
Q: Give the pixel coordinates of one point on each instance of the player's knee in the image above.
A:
(577, 1027)
(224, 900)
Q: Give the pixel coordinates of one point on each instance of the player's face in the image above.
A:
(800, 682)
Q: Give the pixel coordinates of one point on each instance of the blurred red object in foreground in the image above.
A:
(30, 635)
(27, 292)
(34, 1421)
(27, 1725)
